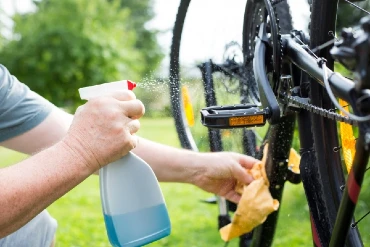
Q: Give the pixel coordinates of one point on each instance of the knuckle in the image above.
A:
(97, 102)
(140, 107)
(135, 126)
(111, 115)
(116, 129)
(131, 95)
(129, 143)
(133, 142)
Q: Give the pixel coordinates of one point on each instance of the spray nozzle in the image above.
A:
(130, 85)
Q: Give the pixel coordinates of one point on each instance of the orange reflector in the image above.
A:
(347, 138)
(246, 120)
(188, 107)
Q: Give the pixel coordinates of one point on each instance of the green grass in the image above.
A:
(193, 223)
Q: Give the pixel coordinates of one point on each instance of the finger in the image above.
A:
(233, 196)
(247, 161)
(133, 144)
(133, 126)
(133, 108)
(122, 95)
(241, 175)
(135, 141)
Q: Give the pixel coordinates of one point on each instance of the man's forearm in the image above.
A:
(33, 184)
(168, 163)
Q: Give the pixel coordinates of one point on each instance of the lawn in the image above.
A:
(194, 223)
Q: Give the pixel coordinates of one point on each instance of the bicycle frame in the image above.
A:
(298, 55)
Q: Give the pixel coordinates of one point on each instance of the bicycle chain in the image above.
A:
(303, 103)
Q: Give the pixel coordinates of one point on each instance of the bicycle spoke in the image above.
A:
(358, 7)
(353, 225)
(326, 44)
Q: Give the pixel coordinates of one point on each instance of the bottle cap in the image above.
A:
(105, 88)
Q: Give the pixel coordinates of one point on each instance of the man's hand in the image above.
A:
(220, 172)
(103, 129)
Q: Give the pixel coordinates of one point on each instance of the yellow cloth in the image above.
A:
(255, 205)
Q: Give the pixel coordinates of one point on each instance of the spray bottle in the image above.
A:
(134, 210)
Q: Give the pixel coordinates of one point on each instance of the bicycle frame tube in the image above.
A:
(297, 55)
(351, 193)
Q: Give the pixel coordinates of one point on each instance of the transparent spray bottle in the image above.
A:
(134, 210)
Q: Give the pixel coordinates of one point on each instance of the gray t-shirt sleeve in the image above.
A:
(20, 108)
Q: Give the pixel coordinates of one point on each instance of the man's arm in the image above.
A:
(30, 186)
(213, 172)
(47, 133)
(169, 164)
(28, 122)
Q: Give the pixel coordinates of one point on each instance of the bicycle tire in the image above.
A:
(282, 132)
(326, 171)
(183, 132)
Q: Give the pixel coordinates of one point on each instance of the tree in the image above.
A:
(69, 44)
(141, 12)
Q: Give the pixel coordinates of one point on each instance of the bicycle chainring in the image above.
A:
(274, 48)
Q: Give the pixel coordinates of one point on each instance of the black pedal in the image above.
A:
(233, 116)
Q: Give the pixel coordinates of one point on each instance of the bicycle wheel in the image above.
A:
(279, 135)
(205, 70)
(326, 174)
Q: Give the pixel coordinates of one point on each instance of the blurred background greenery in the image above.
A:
(64, 45)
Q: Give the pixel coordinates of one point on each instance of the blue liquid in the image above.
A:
(138, 228)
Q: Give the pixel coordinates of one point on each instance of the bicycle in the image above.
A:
(295, 88)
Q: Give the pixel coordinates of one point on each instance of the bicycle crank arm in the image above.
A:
(267, 95)
(233, 116)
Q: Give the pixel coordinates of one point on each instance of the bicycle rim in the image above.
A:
(328, 168)
(194, 47)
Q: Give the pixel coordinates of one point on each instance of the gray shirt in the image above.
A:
(20, 108)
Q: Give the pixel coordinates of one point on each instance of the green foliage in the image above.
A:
(349, 16)
(141, 12)
(3, 28)
(69, 44)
